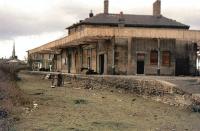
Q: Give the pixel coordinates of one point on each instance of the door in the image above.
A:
(69, 62)
(140, 67)
(140, 63)
(101, 64)
(182, 67)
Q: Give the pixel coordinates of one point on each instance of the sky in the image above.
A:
(31, 23)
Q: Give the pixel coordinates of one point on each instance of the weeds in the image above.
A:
(11, 96)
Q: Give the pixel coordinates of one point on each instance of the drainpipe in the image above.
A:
(113, 56)
(158, 69)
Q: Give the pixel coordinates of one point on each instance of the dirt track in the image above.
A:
(66, 108)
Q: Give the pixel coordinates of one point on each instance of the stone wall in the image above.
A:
(64, 60)
(145, 46)
(160, 91)
(185, 57)
(157, 8)
(104, 47)
(89, 52)
(121, 56)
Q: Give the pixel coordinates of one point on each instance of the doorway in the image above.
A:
(140, 63)
(69, 62)
(101, 64)
(182, 67)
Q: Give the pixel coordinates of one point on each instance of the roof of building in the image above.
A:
(148, 21)
(3, 60)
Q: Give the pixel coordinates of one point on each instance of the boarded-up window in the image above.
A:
(166, 58)
(154, 57)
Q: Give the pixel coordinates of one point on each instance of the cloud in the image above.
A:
(35, 22)
(16, 23)
(24, 18)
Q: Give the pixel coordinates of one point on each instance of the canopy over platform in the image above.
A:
(93, 34)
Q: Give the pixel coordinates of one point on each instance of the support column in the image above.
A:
(113, 56)
(129, 69)
(61, 57)
(158, 68)
(90, 61)
(81, 56)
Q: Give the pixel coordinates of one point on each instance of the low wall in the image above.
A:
(157, 90)
(150, 88)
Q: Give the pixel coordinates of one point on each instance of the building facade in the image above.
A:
(123, 44)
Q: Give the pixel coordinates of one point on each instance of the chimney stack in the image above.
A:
(106, 6)
(121, 17)
(157, 8)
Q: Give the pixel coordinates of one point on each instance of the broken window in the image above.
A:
(166, 58)
(154, 57)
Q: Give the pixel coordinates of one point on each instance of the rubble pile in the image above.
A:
(157, 90)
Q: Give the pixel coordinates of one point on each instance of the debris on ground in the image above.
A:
(57, 81)
(3, 114)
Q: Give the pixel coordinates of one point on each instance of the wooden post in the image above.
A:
(129, 56)
(158, 69)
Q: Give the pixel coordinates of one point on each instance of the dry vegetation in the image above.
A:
(11, 97)
(79, 106)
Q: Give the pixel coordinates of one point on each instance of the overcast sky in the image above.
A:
(31, 23)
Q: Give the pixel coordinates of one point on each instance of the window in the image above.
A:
(154, 57)
(166, 58)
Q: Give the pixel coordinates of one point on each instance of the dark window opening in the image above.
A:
(140, 63)
(69, 63)
(101, 64)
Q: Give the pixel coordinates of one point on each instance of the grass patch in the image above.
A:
(113, 125)
(80, 101)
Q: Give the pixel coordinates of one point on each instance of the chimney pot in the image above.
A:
(91, 14)
(106, 6)
(157, 8)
